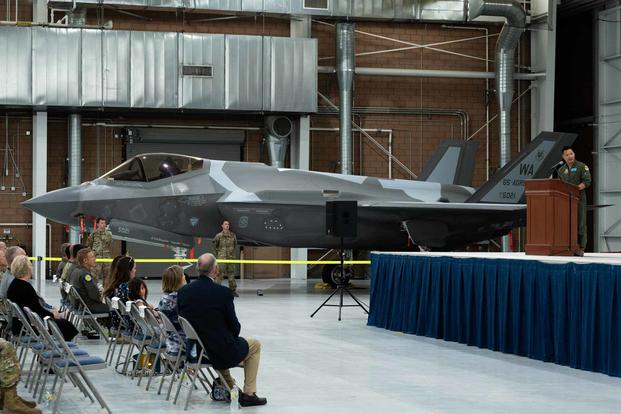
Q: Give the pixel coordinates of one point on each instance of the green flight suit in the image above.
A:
(100, 241)
(224, 246)
(576, 174)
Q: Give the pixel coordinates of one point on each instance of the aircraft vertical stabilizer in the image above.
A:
(534, 161)
(452, 163)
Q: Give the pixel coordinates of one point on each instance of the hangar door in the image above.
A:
(205, 143)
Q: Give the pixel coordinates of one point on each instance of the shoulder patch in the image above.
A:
(88, 277)
(586, 168)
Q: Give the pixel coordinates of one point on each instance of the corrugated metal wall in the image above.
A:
(15, 66)
(430, 10)
(95, 68)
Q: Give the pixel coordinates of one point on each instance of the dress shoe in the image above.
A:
(250, 400)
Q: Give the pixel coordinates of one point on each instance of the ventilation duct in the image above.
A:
(277, 131)
(345, 65)
(505, 51)
(75, 162)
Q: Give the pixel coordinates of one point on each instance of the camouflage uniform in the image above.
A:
(576, 174)
(224, 246)
(9, 365)
(100, 241)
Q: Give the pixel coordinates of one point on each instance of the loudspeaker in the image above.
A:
(342, 218)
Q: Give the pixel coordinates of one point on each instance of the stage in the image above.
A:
(565, 310)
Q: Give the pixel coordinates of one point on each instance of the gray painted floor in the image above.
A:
(322, 365)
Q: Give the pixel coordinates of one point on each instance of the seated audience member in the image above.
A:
(209, 308)
(65, 253)
(173, 279)
(23, 294)
(11, 253)
(117, 286)
(10, 373)
(84, 283)
(137, 292)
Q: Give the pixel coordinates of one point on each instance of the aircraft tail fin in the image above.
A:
(452, 163)
(534, 161)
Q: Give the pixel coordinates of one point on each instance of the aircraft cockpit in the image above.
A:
(153, 167)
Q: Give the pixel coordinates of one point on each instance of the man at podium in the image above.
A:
(577, 173)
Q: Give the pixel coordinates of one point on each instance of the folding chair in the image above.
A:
(83, 313)
(158, 345)
(194, 369)
(114, 333)
(144, 338)
(27, 338)
(172, 361)
(74, 367)
(126, 334)
(49, 352)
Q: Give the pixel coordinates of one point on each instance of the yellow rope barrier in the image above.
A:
(285, 262)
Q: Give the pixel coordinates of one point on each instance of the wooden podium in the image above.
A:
(551, 217)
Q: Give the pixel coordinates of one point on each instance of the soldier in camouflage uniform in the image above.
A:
(577, 173)
(224, 245)
(100, 241)
(10, 402)
(4, 307)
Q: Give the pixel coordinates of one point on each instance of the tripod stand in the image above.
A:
(341, 286)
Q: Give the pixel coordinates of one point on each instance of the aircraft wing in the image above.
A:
(446, 225)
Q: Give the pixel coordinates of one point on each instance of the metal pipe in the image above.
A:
(390, 152)
(345, 64)
(464, 117)
(431, 73)
(505, 50)
(75, 163)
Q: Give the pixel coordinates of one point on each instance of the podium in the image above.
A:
(551, 217)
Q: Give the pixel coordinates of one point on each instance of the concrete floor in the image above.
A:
(320, 365)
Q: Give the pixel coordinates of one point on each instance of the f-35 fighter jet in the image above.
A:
(169, 199)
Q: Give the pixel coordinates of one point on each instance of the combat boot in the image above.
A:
(13, 403)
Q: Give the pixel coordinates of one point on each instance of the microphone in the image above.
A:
(558, 165)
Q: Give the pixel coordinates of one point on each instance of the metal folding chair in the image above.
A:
(83, 313)
(173, 362)
(74, 367)
(194, 369)
(48, 353)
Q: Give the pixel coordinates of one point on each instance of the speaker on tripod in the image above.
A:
(342, 218)
(341, 221)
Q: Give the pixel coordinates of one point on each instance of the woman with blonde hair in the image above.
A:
(173, 279)
(23, 294)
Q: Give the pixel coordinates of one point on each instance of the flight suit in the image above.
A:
(576, 174)
(84, 283)
(224, 248)
(100, 241)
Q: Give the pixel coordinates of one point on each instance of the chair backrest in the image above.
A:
(168, 326)
(139, 319)
(154, 324)
(39, 325)
(19, 314)
(77, 299)
(63, 348)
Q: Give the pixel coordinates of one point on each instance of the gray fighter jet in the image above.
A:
(169, 199)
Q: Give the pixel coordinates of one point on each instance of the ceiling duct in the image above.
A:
(345, 64)
(277, 131)
(505, 51)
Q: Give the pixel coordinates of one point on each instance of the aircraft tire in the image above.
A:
(331, 274)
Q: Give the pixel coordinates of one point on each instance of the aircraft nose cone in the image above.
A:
(61, 205)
